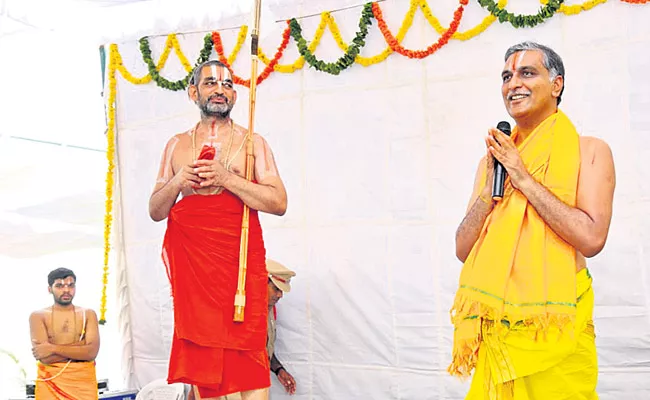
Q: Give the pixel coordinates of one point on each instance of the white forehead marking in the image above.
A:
(521, 58)
(225, 73)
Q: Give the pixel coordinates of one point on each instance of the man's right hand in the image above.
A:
(486, 193)
(186, 179)
(42, 350)
(479, 207)
(287, 381)
(165, 194)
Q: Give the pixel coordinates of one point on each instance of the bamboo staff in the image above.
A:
(240, 296)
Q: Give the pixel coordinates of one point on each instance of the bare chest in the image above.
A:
(64, 327)
(231, 153)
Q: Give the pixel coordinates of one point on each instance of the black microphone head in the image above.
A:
(504, 127)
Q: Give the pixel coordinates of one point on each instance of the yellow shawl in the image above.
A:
(519, 272)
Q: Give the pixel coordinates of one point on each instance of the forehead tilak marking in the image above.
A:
(520, 59)
(516, 60)
(220, 73)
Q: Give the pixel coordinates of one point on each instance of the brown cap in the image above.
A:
(280, 275)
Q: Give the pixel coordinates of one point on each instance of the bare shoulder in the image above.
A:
(180, 137)
(42, 312)
(84, 310)
(242, 130)
(171, 145)
(90, 314)
(39, 315)
(36, 316)
(593, 150)
(259, 140)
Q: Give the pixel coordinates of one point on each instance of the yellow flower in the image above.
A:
(115, 62)
(577, 8)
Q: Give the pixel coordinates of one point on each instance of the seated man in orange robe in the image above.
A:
(206, 165)
(65, 341)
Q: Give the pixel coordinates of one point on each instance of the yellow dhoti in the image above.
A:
(559, 367)
(67, 381)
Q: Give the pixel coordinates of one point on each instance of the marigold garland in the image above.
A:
(128, 76)
(344, 61)
(155, 75)
(241, 38)
(179, 53)
(577, 8)
(147, 78)
(110, 156)
(519, 21)
(218, 46)
(300, 62)
(468, 34)
(406, 25)
(365, 61)
(497, 10)
(397, 47)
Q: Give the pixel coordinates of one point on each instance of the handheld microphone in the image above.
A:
(499, 171)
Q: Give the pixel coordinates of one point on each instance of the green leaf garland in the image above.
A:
(520, 21)
(348, 58)
(181, 84)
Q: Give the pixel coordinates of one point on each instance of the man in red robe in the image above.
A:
(206, 165)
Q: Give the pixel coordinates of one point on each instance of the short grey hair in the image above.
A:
(551, 60)
(196, 74)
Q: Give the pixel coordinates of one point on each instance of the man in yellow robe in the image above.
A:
(65, 340)
(524, 307)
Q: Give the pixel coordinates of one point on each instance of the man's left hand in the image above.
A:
(287, 381)
(504, 150)
(42, 350)
(211, 172)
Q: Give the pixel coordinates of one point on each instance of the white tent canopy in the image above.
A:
(378, 163)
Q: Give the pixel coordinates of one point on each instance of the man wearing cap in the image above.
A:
(279, 283)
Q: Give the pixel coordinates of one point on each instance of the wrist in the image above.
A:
(227, 180)
(278, 369)
(176, 184)
(525, 183)
(486, 198)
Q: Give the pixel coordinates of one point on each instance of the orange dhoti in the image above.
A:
(201, 253)
(67, 381)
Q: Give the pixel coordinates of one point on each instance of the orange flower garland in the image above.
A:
(218, 47)
(443, 40)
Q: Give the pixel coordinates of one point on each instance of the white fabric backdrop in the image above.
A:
(379, 164)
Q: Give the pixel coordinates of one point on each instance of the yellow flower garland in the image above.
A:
(406, 25)
(468, 34)
(241, 38)
(365, 61)
(110, 156)
(577, 8)
(147, 78)
(328, 21)
(172, 43)
(300, 62)
(179, 53)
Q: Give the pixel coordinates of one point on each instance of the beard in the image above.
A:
(61, 302)
(219, 110)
